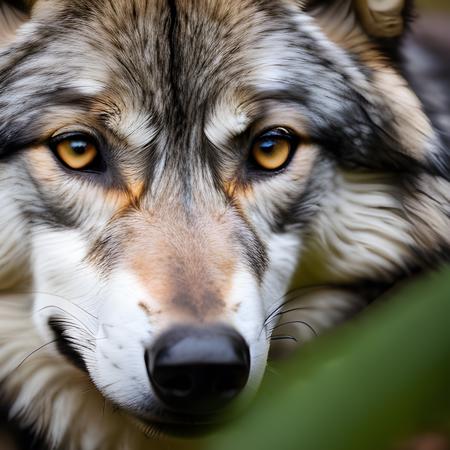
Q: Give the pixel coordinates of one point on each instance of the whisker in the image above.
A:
(281, 313)
(283, 338)
(292, 322)
(32, 353)
(69, 314)
(289, 297)
(287, 311)
(68, 300)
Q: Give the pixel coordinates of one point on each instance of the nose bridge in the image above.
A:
(185, 261)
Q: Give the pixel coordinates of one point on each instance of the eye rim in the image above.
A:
(96, 166)
(280, 132)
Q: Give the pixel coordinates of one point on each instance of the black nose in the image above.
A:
(198, 370)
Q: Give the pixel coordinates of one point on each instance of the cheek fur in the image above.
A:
(65, 285)
(15, 228)
(361, 232)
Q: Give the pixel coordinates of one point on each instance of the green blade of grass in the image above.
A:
(363, 387)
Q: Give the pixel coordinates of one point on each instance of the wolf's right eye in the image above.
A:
(272, 150)
(77, 152)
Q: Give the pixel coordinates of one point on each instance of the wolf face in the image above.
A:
(166, 169)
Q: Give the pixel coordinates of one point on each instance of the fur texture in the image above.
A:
(180, 226)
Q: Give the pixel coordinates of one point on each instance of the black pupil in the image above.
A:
(267, 145)
(78, 147)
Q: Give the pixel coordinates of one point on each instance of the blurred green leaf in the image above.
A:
(374, 381)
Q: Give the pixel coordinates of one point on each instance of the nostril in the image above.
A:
(198, 370)
(179, 382)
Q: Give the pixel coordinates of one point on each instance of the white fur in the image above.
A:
(72, 414)
(226, 121)
(136, 127)
(361, 231)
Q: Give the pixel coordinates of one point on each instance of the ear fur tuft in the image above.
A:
(381, 18)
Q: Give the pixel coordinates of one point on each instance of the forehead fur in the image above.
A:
(168, 58)
(159, 74)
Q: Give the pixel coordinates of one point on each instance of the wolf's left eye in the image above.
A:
(273, 149)
(77, 152)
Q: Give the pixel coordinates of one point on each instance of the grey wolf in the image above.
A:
(183, 183)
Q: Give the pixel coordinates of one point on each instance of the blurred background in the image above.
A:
(437, 12)
(434, 4)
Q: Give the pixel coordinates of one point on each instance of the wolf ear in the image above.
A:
(352, 23)
(382, 18)
(372, 31)
(12, 15)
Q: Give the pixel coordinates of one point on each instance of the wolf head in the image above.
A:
(168, 166)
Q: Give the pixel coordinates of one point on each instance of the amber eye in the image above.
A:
(76, 151)
(273, 149)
